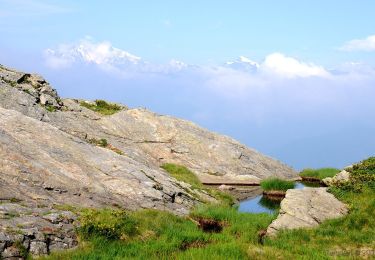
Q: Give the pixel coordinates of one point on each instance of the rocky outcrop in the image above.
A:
(341, 177)
(306, 208)
(38, 230)
(145, 136)
(54, 151)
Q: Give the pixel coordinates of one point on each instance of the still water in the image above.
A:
(260, 204)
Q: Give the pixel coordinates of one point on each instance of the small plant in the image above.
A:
(104, 143)
(102, 107)
(276, 184)
(21, 248)
(99, 142)
(50, 108)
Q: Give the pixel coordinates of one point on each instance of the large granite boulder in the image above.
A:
(306, 208)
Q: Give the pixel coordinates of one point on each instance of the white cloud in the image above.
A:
(367, 44)
(288, 67)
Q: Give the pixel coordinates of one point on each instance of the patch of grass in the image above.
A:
(319, 173)
(276, 184)
(50, 108)
(66, 207)
(162, 235)
(102, 107)
(107, 223)
(99, 142)
(182, 173)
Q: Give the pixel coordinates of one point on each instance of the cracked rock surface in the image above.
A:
(307, 207)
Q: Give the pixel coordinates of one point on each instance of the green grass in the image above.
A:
(319, 173)
(276, 184)
(182, 173)
(151, 234)
(102, 107)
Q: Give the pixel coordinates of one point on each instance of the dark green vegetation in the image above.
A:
(319, 174)
(276, 184)
(102, 107)
(150, 234)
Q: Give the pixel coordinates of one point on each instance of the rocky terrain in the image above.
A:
(50, 155)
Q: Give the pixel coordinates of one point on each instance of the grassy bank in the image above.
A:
(319, 174)
(150, 234)
(275, 184)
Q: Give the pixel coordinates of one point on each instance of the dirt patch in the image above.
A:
(210, 225)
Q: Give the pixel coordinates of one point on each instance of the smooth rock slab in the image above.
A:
(307, 207)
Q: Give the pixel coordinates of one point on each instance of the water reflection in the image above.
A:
(260, 204)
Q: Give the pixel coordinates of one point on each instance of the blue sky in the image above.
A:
(293, 79)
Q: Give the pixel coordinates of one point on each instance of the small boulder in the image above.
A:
(341, 177)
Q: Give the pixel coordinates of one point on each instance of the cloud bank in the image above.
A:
(367, 44)
(280, 104)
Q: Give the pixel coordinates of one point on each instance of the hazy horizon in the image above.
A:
(297, 84)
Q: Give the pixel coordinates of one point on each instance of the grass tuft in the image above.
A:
(102, 107)
(276, 184)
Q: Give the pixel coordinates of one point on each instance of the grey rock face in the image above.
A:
(305, 208)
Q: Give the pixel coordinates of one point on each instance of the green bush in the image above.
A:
(362, 175)
(102, 107)
(108, 223)
(319, 173)
(276, 184)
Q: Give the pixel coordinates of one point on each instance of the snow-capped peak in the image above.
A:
(243, 63)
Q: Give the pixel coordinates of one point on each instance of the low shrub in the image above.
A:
(108, 223)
